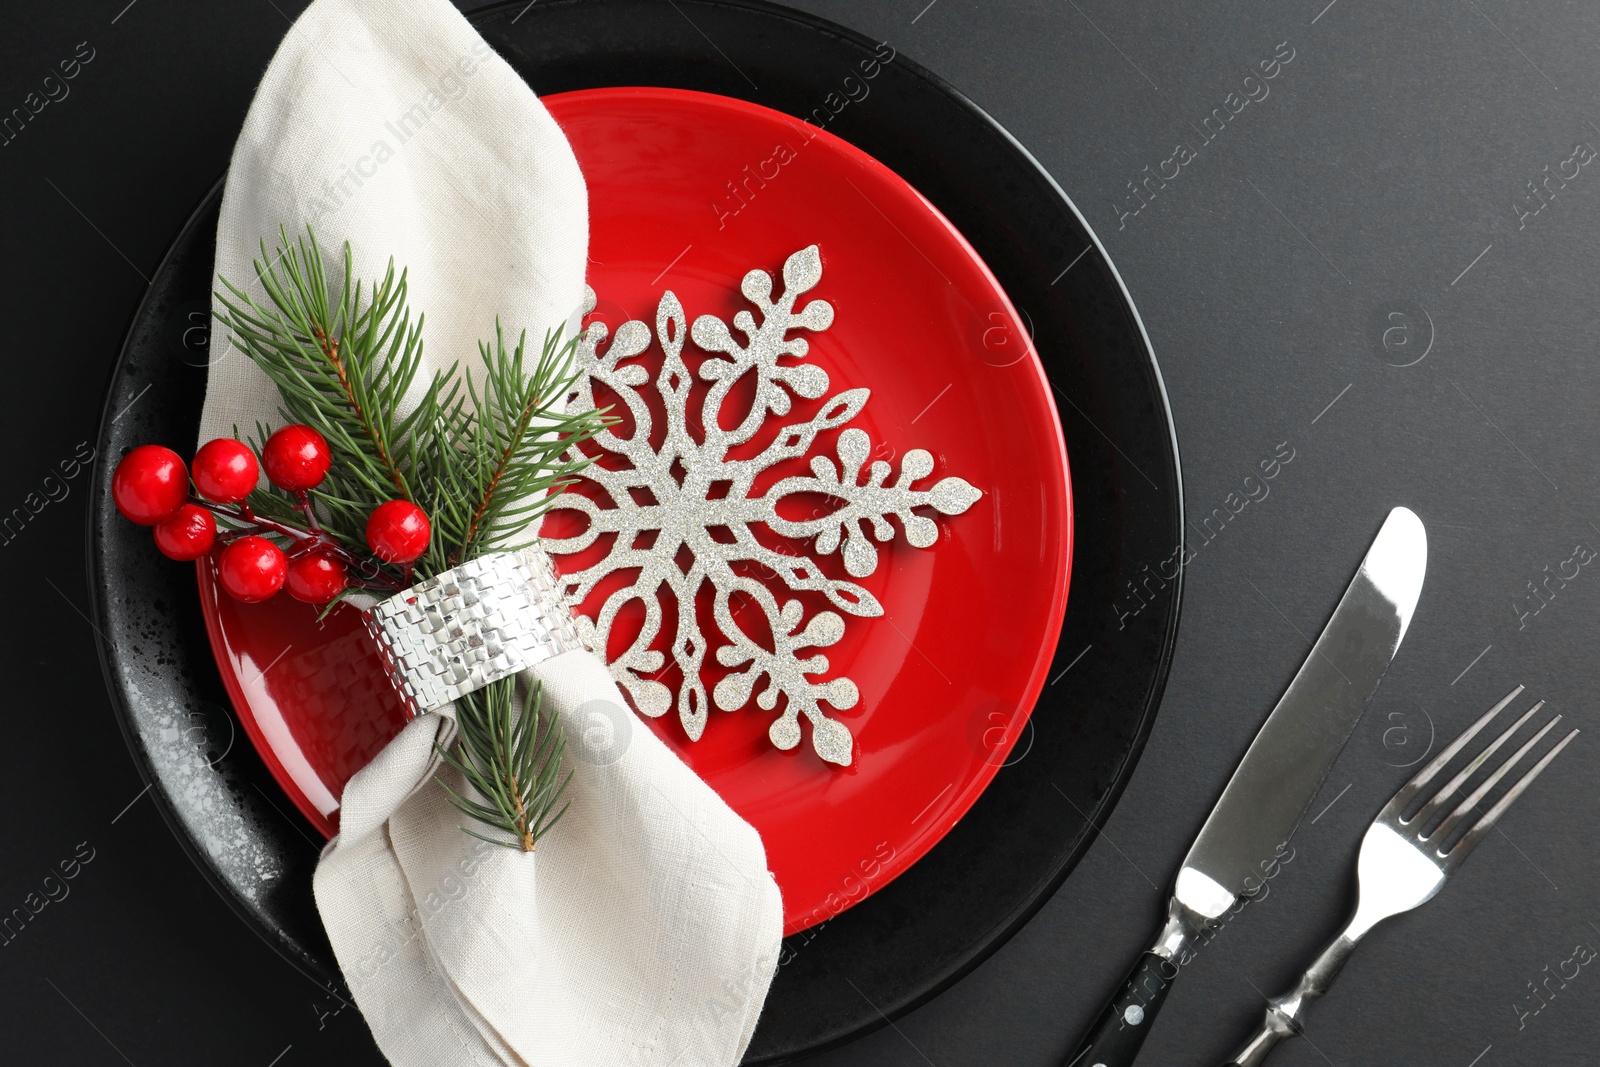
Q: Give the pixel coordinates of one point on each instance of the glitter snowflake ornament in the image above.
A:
(687, 492)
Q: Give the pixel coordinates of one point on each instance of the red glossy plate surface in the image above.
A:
(690, 191)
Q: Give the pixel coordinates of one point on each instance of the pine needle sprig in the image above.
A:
(481, 458)
(513, 764)
(342, 364)
(517, 445)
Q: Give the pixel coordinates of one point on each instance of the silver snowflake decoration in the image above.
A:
(687, 493)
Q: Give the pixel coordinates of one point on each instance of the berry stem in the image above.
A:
(303, 501)
(315, 539)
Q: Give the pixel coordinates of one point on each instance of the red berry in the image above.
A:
(188, 534)
(296, 458)
(150, 484)
(398, 531)
(251, 569)
(225, 470)
(316, 578)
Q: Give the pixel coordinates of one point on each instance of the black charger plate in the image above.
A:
(921, 932)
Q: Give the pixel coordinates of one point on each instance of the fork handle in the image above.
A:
(1275, 1028)
(1286, 1014)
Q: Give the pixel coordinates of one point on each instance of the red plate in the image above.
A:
(690, 191)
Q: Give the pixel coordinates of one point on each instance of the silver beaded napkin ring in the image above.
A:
(487, 619)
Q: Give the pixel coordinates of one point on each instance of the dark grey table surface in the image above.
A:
(1369, 206)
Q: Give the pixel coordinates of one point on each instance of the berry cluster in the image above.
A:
(151, 486)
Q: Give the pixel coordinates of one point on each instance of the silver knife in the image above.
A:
(1276, 781)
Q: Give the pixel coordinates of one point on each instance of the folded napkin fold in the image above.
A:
(645, 929)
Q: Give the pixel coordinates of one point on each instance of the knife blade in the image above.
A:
(1277, 780)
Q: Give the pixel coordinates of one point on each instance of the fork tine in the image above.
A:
(1408, 792)
(1426, 813)
(1470, 840)
(1442, 834)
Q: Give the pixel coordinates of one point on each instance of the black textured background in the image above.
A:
(1381, 177)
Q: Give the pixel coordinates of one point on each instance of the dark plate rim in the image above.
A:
(307, 965)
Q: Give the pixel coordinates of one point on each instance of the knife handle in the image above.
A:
(1119, 1032)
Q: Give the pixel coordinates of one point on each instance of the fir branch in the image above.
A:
(518, 442)
(509, 761)
(480, 459)
(344, 365)
(330, 349)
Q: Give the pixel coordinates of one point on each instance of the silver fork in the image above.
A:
(1403, 865)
